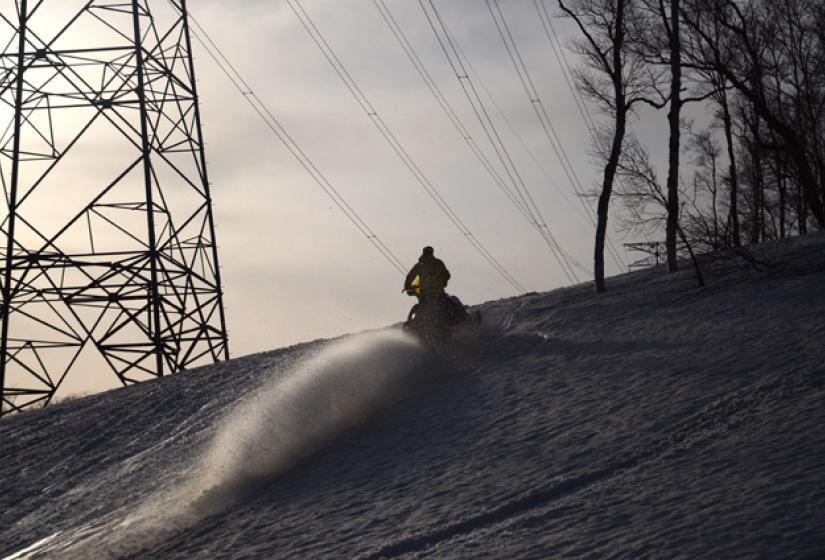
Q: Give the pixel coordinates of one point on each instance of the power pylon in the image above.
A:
(107, 239)
(654, 250)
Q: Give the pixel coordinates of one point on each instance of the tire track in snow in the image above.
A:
(714, 419)
(495, 516)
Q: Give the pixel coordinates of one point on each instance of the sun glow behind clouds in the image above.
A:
(293, 267)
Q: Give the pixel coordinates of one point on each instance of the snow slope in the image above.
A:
(656, 421)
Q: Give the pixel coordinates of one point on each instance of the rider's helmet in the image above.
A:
(428, 251)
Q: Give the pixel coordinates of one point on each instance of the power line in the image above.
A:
(272, 123)
(480, 112)
(541, 111)
(449, 47)
(581, 104)
(532, 94)
(511, 127)
(589, 216)
(243, 87)
(419, 66)
(561, 58)
(392, 140)
(410, 51)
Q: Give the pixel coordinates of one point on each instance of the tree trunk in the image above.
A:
(802, 212)
(807, 181)
(674, 122)
(604, 198)
(714, 193)
(734, 181)
(700, 278)
(796, 141)
(756, 153)
(796, 147)
(617, 77)
(783, 197)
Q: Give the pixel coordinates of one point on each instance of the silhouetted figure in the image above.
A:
(436, 315)
(432, 277)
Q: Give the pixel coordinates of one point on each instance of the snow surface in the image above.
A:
(656, 421)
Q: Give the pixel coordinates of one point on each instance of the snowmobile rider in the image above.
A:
(432, 277)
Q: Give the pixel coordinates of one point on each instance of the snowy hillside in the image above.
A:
(656, 421)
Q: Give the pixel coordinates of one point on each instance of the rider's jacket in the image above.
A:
(431, 272)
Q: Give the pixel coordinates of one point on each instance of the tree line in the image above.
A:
(757, 67)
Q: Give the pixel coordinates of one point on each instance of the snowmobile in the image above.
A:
(437, 317)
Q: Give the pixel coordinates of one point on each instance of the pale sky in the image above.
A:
(294, 267)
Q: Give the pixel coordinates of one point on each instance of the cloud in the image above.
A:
(294, 267)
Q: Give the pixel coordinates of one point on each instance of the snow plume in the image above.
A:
(326, 394)
(289, 418)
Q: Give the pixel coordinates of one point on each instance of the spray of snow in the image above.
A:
(290, 417)
(325, 395)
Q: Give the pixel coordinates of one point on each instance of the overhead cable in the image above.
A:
(409, 50)
(258, 106)
(394, 143)
(451, 52)
(532, 94)
(561, 58)
(581, 104)
(539, 108)
(453, 117)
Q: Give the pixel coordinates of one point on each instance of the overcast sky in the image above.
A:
(294, 267)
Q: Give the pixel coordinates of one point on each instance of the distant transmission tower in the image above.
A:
(107, 240)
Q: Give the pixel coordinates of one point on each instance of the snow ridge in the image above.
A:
(656, 421)
(286, 420)
(707, 423)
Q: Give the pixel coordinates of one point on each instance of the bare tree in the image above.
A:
(661, 44)
(721, 99)
(709, 79)
(662, 41)
(707, 224)
(671, 25)
(747, 42)
(616, 79)
(642, 193)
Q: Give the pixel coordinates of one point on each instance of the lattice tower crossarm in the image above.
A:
(108, 256)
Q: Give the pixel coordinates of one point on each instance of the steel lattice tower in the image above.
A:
(107, 240)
